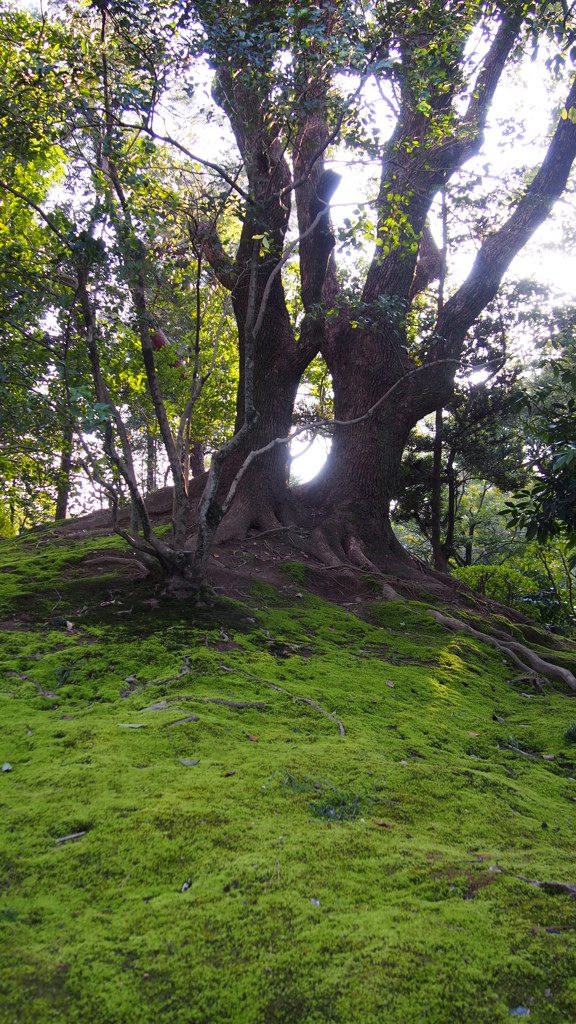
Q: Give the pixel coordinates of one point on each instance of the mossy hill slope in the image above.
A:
(186, 837)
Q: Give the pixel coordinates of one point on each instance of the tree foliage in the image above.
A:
(160, 275)
(546, 508)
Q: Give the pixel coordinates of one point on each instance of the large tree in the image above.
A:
(291, 82)
(285, 116)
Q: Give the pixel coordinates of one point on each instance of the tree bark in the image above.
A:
(64, 471)
(278, 357)
(438, 553)
(197, 459)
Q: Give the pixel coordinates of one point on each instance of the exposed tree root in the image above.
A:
(249, 513)
(326, 552)
(130, 564)
(358, 556)
(525, 658)
(566, 887)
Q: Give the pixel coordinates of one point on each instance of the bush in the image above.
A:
(530, 592)
(499, 583)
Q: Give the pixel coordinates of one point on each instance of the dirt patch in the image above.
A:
(226, 645)
(18, 623)
(284, 559)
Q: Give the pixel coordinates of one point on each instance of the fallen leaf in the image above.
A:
(472, 733)
(254, 739)
(384, 824)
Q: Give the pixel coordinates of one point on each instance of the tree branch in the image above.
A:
(222, 264)
(499, 249)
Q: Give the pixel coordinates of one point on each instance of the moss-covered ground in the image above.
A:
(183, 840)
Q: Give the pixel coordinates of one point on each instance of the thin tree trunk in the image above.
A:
(151, 461)
(438, 550)
(197, 458)
(65, 471)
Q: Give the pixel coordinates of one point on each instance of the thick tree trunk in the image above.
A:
(262, 500)
(380, 390)
(351, 496)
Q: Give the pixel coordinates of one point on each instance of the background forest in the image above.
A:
(229, 231)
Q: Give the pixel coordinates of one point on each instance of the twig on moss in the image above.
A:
(236, 704)
(295, 697)
(517, 750)
(184, 671)
(71, 838)
(256, 679)
(328, 714)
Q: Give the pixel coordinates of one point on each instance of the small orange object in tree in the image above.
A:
(159, 339)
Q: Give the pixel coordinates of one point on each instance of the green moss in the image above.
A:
(295, 571)
(290, 874)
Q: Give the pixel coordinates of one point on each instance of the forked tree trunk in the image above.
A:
(377, 382)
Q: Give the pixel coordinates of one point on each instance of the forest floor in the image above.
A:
(305, 803)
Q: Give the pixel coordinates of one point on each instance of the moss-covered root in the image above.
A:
(523, 657)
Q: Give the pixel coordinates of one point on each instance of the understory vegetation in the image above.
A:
(277, 810)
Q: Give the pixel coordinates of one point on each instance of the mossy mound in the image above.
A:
(187, 837)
